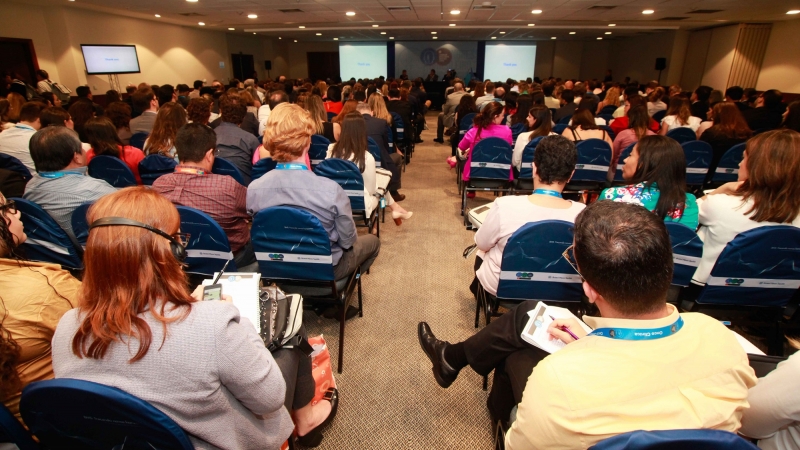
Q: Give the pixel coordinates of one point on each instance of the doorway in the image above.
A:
(243, 66)
(323, 65)
(17, 56)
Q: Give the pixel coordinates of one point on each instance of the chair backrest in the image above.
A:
(137, 140)
(698, 158)
(687, 250)
(465, 124)
(66, 413)
(374, 150)
(491, 159)
(559, 128)
(658, 116)
(594, 158)
(290, 243)
(263, 166)
(607, 117)
(47, 241)
(609, 131)
(391, 138)
(318, 149)
(11, 163)
(757, 268)
(516, 129)
(533, 267)
(728, 166)
(345, 174)
(224, 167)
(154, 166)
(526, 168)
(80, 225)
(608, 109)
(331, 115)
(565, 120)
(208, 248)
(673, 439)
(13, 431)
(682, 134)
(621, 162)
(399, 126)
(113, 170)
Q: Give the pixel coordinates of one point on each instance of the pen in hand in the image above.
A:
(566, 329)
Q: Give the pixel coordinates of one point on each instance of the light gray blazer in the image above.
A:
(143, 123)
(212, 375)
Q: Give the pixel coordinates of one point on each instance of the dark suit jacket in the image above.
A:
(566, 110)
(432, 77)
(761, 119)
(249, 124)
(378, 130)
(700, 109)
(402, 108)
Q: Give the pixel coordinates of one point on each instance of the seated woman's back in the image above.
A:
(584, 127)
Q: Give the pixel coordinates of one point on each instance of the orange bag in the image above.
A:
(321, 368)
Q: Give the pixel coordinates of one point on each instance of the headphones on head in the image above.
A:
(178, 250)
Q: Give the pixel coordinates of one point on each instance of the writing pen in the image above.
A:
(565, 329)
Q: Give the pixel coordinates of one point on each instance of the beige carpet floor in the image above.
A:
(389, 398)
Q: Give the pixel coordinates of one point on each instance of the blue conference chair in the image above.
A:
(224, 167)
(608, 109)
(682, 134)
(533, 268)
(674, 439)
(565, 120)
(516, 130)
(464, 125)
(47, 241)
(66, 414)
(318, 150)
(659, 115)
(346, 174)
(331, 115)
(113, 170)
(756, 272)
(154, 166)
(559, 128)
(374, 150)
(591, 171)
(490, 170)
(80, 225)
(687, 250)
(404, 136)
(609, 131)
(621, 163)
(137, 140)
(698, 158)
(294, 250)
(607, 117)
(208, 248)
(524, 181)
(13, 432)
(15, 165)
(262, 167)
(728, 166)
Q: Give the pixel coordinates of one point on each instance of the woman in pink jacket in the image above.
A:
(485, 125)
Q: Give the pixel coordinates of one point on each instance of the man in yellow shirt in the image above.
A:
(644, 367)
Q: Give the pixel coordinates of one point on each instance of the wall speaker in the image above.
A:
(267, 65)
(661, 63)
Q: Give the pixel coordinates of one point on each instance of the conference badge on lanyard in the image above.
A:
(291, 166)
(639, 334)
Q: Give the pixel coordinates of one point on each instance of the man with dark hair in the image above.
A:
(700, 103)
(219, 196)
(144, 101)
(275, 98)
(233, 143)
(360, 96)
(85, 95)
(15, 140)
(568, 105)
(768, 113)
(198, 84)
(166, 94)
(61, 183)
(551, 102)
(734, 95)
(403, 108)
(644, 367)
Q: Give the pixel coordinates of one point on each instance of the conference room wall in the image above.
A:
(28, 23)
(594, 59)
(781, 66)
(635, 57)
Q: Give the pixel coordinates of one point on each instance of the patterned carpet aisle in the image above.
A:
(389, 399)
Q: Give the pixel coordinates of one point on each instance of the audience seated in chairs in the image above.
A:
(145, 102)
(446, 117)
(539, 123)
(679, 114)
(655, 102)
(621, 123)
(553, 164)
(378, 129)
(120, 115)
(465, 107)
(219, 196)
(322, 126)
(103, 138)
(333, 101)
(140, 330)
(791, 118)
(632, 243)
(234, 144)
(767, 193)
(199, 110)
(15, 140)
(638, 121)
(61, 183)
(768, 113)
(656, 171)
(728, 129)
(584, 127)
(352, 146)
(287, 138)
(170, 118)
(485, 125)
(34, 297)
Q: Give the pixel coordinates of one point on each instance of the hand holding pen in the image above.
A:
(567, 330)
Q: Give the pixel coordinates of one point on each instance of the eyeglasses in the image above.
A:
(569, 255)
(182, 238)
(9, 206)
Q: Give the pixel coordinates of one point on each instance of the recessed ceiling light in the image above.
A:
(452, 24)
(531, 24)
(319, 34)
(600, 39)
(391, 37)
(612, 24)
(648, 11)
(608, 32)
(433, 32)
(335, 39)
(301, 26)
(255, 32)
(536, 11)
(435, 37)
(553, 37)
(571, 32)
(383, 32)
(280, 37)
(350, 13)
(502, 32)
(375, 26)
(252, 16)
(494, 37)
(455, 11)
(201, 23)
(158, 15)
(192, 1)
(295, 40)
(794, 11)
(231, 29)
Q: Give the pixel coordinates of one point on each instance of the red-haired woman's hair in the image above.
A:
(773, 167)
(729, 121)
(129, 271)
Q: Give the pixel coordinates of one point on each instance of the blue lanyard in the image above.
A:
(291, 166)
(548, 192)
(639, 334)
(59, 173)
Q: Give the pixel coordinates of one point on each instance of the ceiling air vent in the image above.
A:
(399, 8)
(704, 11)
(484, 8)
(673, 18)
(606, 8)
(295, 10)
(192, 14)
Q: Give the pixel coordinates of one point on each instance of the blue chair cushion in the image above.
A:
(675, 439)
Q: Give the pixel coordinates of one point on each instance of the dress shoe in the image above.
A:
(441, 141)
(434, 348)
(399, 197)
(314, 437)
(400, 217)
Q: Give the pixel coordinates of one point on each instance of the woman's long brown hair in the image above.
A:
(352, 140)
(171, 117)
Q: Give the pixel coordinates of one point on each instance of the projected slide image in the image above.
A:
(110, 59)
(509, 61)
(362, 60)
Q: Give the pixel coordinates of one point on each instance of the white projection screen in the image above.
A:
(362, 60)
(110, 59)
(515, 61)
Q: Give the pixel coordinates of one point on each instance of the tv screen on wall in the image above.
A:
(110, 59)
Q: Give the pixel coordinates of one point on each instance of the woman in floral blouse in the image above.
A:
(656, 173)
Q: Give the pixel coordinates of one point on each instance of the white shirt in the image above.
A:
(507, 215)
(522, 140)
(619, 112)
(263, 115)
(721, 218)
(370, 179)
(43, 86)
(552, 102)
(672, 122)
(654, 107)
(15, 142)
(486, 98)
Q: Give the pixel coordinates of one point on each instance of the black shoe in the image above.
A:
(418, 141)
(314, 437)
(434, 348)
(399, 197)
(441, 141)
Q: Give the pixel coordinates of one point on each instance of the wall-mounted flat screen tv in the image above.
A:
(110, 59)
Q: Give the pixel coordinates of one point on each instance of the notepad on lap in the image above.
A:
(535, 332)
(244, 289)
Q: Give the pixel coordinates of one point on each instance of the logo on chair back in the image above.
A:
(524, 276)
(733, 282)
(483, 164)
(578, 166)
(275, 257)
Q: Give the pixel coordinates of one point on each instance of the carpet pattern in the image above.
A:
(388, 396)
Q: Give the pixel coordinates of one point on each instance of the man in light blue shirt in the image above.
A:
(14, 141)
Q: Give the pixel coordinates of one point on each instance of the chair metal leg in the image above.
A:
(464, 202)
(485, 382)
(342, 320)
(360, 303)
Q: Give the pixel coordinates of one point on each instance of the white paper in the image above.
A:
(541, 317)
(244, 289)
(747, 345)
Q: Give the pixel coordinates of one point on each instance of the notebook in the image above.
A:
(478, 215)
(244, 289)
